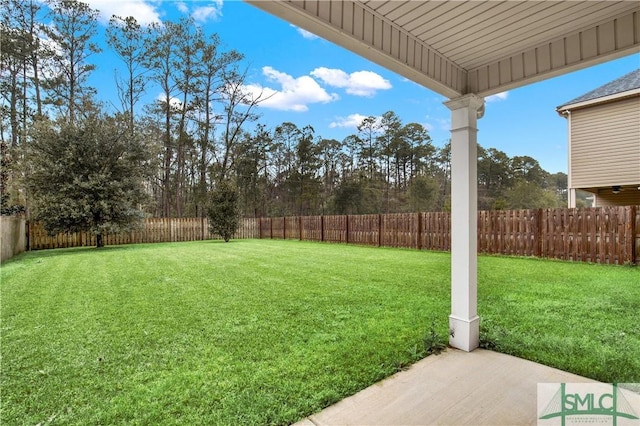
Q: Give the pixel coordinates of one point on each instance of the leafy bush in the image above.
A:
(223, 211)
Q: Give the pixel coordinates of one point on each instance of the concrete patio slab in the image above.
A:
(454, 388)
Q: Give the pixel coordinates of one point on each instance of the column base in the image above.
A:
(464, 333)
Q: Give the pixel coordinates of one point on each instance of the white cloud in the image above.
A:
(359, 83)
(351, 121)
(175, 103)
(182, 7)
(428, 127)
(445, 123)
(502, 96)
(294, 94)
(306, 34)
(212, 12)
(48, 70)
(437, 123)
(144, 11)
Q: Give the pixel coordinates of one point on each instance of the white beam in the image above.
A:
(614, 38)
(464, 323)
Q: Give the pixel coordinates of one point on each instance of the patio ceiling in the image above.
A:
(461, 47)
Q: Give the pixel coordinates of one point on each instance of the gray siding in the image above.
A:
(605, 144)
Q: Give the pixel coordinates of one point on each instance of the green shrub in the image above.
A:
(223, 211)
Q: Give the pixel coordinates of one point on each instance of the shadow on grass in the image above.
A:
(108, 248)
(55, 252)
(221, 241)
(73, 250)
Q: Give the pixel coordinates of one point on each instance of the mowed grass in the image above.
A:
(267, 332)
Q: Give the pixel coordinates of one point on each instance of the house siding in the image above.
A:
(605, 144)
(627, 197)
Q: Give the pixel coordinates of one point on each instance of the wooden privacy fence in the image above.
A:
(600, 235)
(154, 230)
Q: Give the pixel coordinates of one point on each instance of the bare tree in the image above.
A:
(239, 104)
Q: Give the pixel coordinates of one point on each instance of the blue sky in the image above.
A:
(314, 82)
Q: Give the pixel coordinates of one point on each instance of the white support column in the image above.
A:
(571, 198)
(464, 323)
(571, 191)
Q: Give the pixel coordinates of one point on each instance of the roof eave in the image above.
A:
(600, 100)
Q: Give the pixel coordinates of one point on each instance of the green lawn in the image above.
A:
(266, 332)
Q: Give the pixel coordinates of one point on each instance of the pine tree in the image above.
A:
(74, 25)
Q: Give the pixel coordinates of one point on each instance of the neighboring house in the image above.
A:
(604, 142)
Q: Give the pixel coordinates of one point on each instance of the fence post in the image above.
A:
(419, 241)
(347, 234)
(379, 230)
(300, 226)
(322, 228)
(631, 235)
(636, 231)
(284, 228)
(28, 236)
(271, 229)
(537, 233)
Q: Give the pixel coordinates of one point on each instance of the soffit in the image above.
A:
(483, 47)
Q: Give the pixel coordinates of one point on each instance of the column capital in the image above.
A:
(470, 100)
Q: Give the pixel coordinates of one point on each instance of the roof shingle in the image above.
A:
(626, 82)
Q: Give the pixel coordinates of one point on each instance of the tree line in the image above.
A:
(203, 131)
